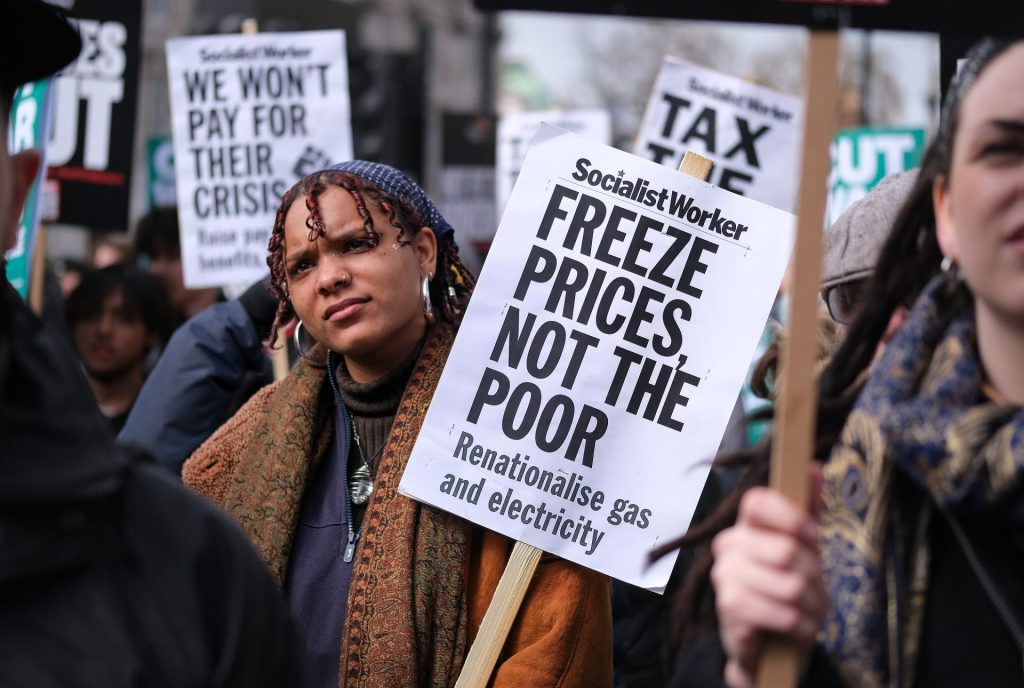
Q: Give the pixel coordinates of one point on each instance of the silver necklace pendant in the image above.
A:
(360, 487)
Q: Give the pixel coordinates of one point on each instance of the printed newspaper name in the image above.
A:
(665, 200)
(269, 52)
(751, 102)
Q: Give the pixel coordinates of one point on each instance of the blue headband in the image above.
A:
(398, 184)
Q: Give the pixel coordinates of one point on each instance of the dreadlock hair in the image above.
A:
(909, 259)
(452, 283)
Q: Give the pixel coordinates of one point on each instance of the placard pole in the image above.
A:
(794, 425)
(501, 613)
(37, 275)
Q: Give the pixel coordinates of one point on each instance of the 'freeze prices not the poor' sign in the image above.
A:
(600, 357)
(251, 115)
(751, 133)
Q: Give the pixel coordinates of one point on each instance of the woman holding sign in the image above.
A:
(385, 590)
(912, 574)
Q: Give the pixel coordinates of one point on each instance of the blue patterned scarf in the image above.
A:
(921, 434)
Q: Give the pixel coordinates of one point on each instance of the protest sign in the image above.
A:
(751, 133)
(250, 116)
(160, 190)
(29, 126)
(862, 157)
(600, 357)
(95, 97)
(467, 175)
(516, 131)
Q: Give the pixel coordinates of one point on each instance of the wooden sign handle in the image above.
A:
(501, 613)
(793, 441)
(37, 273)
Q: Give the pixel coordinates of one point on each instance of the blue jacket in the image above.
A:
(196, 384)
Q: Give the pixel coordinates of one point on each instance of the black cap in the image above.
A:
(36, 40)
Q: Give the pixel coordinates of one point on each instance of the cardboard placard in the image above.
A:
(516, 131)
(250, 116)
(862, 157)
(95, 98)
(600, 357)
(740, 126)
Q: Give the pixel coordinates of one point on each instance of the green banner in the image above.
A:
(862, 157)
(29, 128)
(160, 164)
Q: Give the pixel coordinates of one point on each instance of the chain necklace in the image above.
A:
(360, 485)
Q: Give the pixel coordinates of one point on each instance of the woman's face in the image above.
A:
(361, 301)
(980, 207)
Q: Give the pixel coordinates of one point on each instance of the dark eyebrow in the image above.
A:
(295, 256)
(1015, 126)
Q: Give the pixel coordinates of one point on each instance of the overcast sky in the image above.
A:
(549, 44)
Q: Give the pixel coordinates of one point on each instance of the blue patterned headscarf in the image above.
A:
(398, 184)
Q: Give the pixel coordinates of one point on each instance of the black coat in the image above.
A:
(111, 573)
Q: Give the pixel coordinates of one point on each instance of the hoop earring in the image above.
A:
(428, 307)
(297, 341)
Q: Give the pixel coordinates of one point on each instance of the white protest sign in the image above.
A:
(250, 115)
(516, 131)
(752, 133)
(600, 357)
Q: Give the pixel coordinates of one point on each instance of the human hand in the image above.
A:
(768, 578)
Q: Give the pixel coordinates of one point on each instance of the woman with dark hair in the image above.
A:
(386, 591)
(907, 571)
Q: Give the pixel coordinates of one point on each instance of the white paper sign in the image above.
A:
(516, 131)
(600, 357)
(251, 115)
(752, 133)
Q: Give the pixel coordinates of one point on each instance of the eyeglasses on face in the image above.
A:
(844, 300)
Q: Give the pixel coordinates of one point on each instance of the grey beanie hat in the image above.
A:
(853, 243)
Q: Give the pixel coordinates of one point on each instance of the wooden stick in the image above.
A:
(37, 275)
(501, 613)
(794, 427)
(696, 166)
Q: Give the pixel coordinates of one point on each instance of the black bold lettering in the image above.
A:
(485, 395)
(693, 264)
(540, 267)
(513, 335)
(554, 209)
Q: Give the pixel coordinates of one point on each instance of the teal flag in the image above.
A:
(29, 128)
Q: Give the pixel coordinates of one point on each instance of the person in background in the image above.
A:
(907, 570)
(851, 249)
(158, 247)
(386, 590)
(211, 366)
(69, 273)
(111, 574)
(120, 319)
(110, 248)
(852, 246)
